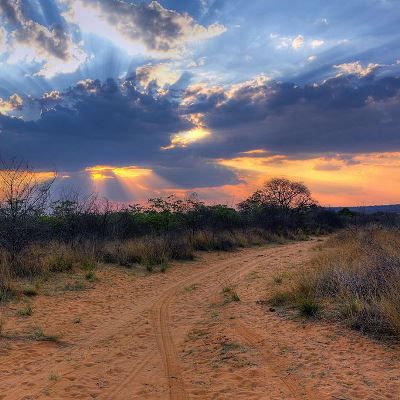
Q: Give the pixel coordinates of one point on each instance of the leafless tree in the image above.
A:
(24, 195)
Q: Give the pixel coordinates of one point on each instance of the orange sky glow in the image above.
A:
(335, 180)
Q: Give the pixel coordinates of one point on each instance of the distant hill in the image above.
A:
(389, 208)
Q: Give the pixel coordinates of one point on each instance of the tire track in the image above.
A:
(162, 328)
(251, 338)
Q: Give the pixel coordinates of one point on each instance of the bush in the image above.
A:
(7, 290)
(358, 278)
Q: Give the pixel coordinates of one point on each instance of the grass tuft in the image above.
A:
(25, 312)
(230, 294)
(40, 336)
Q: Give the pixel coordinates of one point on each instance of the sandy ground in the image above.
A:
(176, 336)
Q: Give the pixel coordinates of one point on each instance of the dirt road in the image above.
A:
(178, 336)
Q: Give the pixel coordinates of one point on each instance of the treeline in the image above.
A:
(78, 227)
(28, 215)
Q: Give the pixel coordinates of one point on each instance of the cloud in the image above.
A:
(316, 43)
(182, 140)
(298, 42)
(340, 114)
(162, 74)
(3, 40)
(139, 27)
(295, 42)
(356, 68)
(93, 121)
(13, 103)
(29, 41)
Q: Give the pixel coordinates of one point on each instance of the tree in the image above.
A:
(281, 193)
(24, 196)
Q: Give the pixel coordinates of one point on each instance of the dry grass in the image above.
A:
(38, 261)
(148, 251)
(356, 278)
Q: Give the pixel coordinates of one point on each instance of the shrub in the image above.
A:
(357, 276)
(309, 308)
(6, 287)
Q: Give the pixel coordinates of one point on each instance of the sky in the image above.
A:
(135, 99)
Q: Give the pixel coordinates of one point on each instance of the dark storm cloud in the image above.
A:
(93, 120)
(193, 171)
(346, 113)
(118, 123)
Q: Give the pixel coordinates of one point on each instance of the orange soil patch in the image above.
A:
(175, 336)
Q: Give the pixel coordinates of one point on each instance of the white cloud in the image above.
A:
(311, 58)
(356, 68)
(163, 74)
(14, 102)
(298, 42)
(139, 28)
(30, 41)
(316, 43)
(294, 42)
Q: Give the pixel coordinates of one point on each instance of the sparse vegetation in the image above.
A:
(30, 291)
(91, 276)
(39, 335)
(39, 236)
(76, 286)
(356, 279)
(230, 294)
(25, 311)
(53, 377)
(192, 287)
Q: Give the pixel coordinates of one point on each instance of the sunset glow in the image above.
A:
(140, 98)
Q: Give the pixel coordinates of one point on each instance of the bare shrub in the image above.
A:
(24, 196)
(357, 276)
(6, 286)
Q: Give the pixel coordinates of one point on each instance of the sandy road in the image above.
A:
(173, 336)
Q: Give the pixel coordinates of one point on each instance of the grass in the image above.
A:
(192, 287)
(91, 276)
(355, 278)
(279, 298)
(53, 377)
(278, 279)
(25, 311)
(40, 336)
(76, 286)
(230, 294)
(30, 291)
(309, 308)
